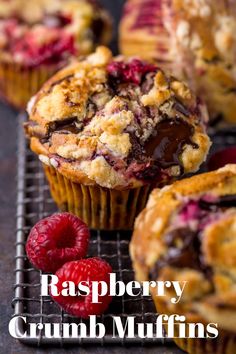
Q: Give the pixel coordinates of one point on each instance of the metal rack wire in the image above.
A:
(33, 203)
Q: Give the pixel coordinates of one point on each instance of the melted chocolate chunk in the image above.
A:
(181, 108)
(226, 201)
(66, 126)
(137, 150)
(188, 255)
(148, 83)
(232, 90)
(97, 27)
(166, 146)
(59, 159)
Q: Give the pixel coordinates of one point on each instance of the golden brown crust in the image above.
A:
(210, 292)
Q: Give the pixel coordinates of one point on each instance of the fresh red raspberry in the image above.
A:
(55, 240)
(90, 270)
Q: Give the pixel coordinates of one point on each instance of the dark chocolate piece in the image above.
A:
(188, 255)
(65, 126)
(166, 146)
(181, 108)
(226, 201)
(97, 27)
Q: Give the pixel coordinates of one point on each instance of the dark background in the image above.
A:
(8, 147)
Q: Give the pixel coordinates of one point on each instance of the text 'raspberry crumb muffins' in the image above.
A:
(194, 39)
(187, 232)
(37, 38)
(108, 130)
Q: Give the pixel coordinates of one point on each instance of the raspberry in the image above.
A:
(132, 72)
(55, 240)
(90, 270)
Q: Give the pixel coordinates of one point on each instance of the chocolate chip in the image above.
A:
(167, 143)
(184, 251)
(65, 126)
(181, 109)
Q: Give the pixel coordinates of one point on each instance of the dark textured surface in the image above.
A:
(8, 132)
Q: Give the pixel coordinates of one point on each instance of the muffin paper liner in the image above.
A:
(18, 83)
(100, 208)
(225, 343)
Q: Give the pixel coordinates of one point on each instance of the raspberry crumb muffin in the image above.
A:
(110, 129)
(39, 37)
(195, 39)
(187, 232)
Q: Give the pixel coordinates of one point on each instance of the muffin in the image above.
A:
(187, 232)
(37, 38)
(108, 130)
(196, 39)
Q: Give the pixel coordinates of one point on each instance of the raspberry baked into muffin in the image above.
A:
(187, 232)
(39, 37)
(108, 130)
(194, 39)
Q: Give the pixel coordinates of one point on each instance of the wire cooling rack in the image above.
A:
(33, 203)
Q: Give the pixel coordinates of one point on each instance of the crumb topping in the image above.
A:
(122, 117)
